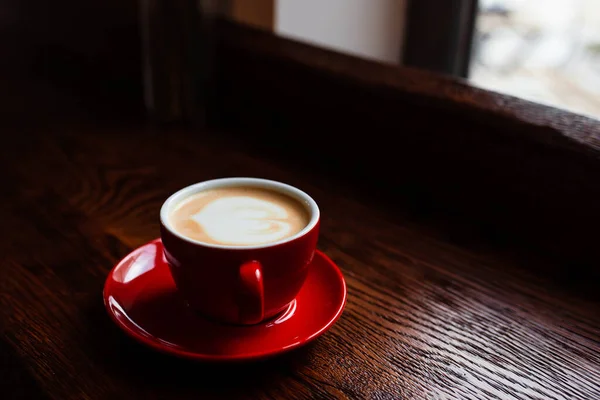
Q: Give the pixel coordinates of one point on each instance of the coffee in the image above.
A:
(239, 216)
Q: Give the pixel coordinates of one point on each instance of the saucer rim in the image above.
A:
(135, 334)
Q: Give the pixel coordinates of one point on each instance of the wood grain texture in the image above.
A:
(435, 311)
(426, 317)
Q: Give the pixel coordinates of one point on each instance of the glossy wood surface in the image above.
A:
(431, 313)
(436, 309)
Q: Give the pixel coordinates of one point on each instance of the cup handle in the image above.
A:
(251, 295)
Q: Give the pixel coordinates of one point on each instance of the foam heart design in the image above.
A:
(243, 220)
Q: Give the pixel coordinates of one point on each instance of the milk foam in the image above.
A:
(243, 220)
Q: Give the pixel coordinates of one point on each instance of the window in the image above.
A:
(546, 51)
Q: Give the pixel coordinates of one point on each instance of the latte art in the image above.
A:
(239, 216)
(243, 220)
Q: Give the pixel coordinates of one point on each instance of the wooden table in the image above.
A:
(434, 310)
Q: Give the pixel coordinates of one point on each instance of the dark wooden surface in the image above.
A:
(431, 313)
(436, 308)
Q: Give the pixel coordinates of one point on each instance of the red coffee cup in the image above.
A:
(240, 284)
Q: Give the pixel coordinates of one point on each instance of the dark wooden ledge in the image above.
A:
(434, 90)
(513, 168)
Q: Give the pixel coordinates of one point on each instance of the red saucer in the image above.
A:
(141, 299)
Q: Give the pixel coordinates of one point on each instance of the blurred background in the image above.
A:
(546, 51)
